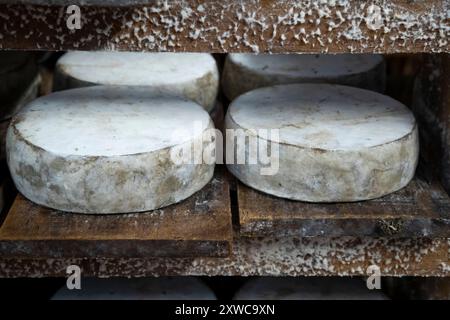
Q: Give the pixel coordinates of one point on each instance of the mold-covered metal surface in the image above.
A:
(197, 226)
(267, 257)
(228, 25)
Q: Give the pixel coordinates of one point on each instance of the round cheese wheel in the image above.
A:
(245, 72)
(107, 150)
(19, 81)
(191, 75)
(331, 143)
(163, 288)
(310, 288)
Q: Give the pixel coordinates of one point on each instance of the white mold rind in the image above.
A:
(191, 75)
(336, 154)
(112, 180)
(246, 72)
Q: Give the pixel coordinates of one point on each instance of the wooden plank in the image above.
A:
(198, 226)
(265, 257)
(420, 209)
(229, 25)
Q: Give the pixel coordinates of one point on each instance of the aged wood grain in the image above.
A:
(266, 257)
(420, 209)
(229, 25)
(197, 226)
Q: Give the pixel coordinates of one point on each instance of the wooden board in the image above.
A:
(197, 226)
(420, 209)
(265, 257)
(228, 25)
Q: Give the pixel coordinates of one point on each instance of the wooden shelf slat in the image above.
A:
(229, 26)
(43, 249)
(418, 210)
(197, 226)
(267, 256)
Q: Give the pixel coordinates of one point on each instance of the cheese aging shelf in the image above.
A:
(247, 233)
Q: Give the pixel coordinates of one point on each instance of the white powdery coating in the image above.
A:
(247, 72)
(103, 121)
(192, 75)
(136, 68)
(328, 117)
(102, 150)
(336, 143)
(253, 25)
(307, 66)
(269, 256)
